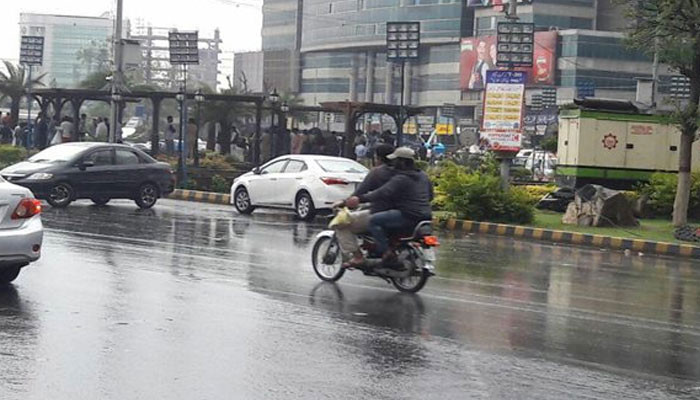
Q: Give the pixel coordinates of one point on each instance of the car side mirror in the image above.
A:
(85, 164)
(256, 171)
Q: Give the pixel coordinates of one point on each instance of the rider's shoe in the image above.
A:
(355, 262)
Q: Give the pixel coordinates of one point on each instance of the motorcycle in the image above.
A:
(409, 270)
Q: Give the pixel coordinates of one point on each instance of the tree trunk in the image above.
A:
(14, 111)
(680, 205)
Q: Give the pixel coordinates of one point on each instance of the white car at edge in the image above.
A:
(21, 230)
(306, 184)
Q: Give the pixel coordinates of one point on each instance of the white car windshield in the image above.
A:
(57, 154)
(345, 166)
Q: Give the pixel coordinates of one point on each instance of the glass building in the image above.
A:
(74, 46)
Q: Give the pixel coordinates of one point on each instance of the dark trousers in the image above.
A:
(383, 223)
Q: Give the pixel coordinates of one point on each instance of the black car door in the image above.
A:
(95, 177)
(129, 172)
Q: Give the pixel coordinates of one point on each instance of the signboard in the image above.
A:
(515, 44)
(444, 129)
(502, 123)
(426, 124)
(31, 50)
(479, 55)
(183, 47)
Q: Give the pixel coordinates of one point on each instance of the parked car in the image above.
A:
(96, 171)
(21, 231)
(522, 156)
(306, 184)
(543, 165)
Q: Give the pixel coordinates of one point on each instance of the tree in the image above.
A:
(95, 56)
(13, 84)
(226, 114)
(672, 27)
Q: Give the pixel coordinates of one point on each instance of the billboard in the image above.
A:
(502, 124)
(478, 56)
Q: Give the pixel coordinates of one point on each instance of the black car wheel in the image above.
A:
(9, 274)
(241, 199)
(100, 200)
(304, 207)
(147, 196)
(60, 195)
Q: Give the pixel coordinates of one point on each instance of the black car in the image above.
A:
(96, 171)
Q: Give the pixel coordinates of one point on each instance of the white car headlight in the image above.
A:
(40, 176)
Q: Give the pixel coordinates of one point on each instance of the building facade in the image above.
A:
(156, 67)
(74, 46)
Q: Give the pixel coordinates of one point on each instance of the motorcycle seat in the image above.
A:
(424, 228)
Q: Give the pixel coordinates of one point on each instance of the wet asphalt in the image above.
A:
(191, 301)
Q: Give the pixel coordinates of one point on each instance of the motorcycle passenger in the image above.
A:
(409, 191)
(377, 176)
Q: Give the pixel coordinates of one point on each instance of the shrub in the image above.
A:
(520, 174)
(550, 144)
(661, 192)
(478, 196)
(11, 155)
(219, 184)
(536, 192)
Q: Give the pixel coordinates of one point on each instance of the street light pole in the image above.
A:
(117, 70)
(199, 98)
(28, 131)
(402, 42)
(399, 129)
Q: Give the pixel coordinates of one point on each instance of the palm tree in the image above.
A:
(226, 114)
(13, 84)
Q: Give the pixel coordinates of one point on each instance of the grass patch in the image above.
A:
(658, 230)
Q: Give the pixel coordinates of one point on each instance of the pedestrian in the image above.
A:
(67, 130)
(361, 153)
(102, 130)
(92, 130)
(18, 134)
(307, 143)
(192, 137)
(265, 146)
(5, 133)
(42, 130)
(82, 127)
(7, 120)
(170, 137)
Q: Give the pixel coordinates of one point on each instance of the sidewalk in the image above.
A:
(521, 232)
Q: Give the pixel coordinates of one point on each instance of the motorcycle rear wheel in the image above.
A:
(329, 271)
(412, 283)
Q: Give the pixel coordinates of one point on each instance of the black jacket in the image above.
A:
(375, 179)
(407, 191)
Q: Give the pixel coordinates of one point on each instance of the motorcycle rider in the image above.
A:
(410, 193)
(376, 178)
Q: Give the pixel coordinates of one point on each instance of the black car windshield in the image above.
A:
(57, 154)
(340, 166)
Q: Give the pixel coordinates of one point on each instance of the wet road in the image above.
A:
(189, 301)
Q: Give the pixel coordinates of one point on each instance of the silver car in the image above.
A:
(21, 231)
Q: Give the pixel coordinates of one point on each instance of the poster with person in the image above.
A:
(478, 55)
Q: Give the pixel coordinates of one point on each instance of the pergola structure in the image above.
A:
(58, 98)
(353, 110)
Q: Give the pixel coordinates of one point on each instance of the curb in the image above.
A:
(201, 197)
(516, 231)
(575, 238)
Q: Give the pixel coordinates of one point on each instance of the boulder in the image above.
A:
(595, 205)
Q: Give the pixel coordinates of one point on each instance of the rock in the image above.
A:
(596, 205)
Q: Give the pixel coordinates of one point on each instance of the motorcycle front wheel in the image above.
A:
(327, 259)
(412, 283)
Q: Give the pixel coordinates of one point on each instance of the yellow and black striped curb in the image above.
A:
(202, 197)
(581, 239)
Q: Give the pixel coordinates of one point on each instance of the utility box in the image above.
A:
(615, 148)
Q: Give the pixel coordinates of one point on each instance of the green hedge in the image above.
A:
(661, 192)
(11, 155)
(478, 196)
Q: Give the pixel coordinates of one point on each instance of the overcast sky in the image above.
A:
(240, 21)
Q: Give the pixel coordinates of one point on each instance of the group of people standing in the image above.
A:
(45, 131)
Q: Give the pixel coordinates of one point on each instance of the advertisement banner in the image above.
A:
(478, 56)
(502, 124)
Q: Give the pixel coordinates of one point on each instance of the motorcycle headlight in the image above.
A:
(40, 176)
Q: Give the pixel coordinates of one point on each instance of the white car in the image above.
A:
(306, 184)
(21, 230)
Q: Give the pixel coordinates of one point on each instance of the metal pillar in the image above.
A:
(29, 136)
(155, 134)
(256, 144)
(399, 128)
(117, 73)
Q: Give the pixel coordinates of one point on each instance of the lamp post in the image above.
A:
(284, 109)
(274, 100)
(402, 43)
(182, 174)
(199, 99)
